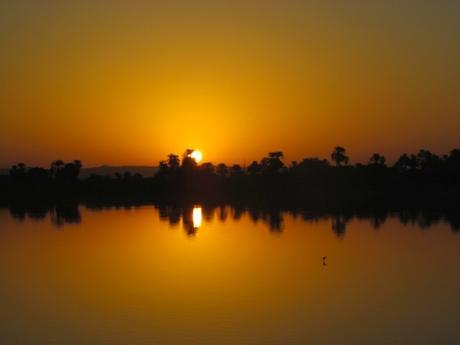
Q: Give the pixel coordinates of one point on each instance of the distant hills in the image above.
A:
(105, 170)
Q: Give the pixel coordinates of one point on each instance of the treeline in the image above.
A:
(421, 177)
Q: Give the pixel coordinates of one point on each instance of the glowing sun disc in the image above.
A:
(197, 156)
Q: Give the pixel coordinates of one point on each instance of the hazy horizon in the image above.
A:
(243, 164)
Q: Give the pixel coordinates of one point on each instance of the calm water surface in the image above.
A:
(220, 276)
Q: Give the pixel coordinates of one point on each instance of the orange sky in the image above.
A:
(127, 82)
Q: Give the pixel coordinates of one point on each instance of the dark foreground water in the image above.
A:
(224, 276)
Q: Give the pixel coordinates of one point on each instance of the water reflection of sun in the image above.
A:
(197, 217)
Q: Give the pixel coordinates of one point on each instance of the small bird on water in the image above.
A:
(324, 260)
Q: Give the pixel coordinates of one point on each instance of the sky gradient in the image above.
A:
(127, 82)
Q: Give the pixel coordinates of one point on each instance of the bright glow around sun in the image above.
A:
(197, 156)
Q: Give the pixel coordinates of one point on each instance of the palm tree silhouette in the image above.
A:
(339, 156)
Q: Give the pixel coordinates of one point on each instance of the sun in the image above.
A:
(197, 156)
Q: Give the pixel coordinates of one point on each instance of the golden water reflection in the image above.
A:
(130, 276)
(196, 217)
(192, 218)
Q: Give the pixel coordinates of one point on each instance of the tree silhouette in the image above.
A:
(37, 175)
(56, 166)
(222, 170)
(428, 161)
(311, 166)
(171, 164)
(273, 163)
(453, 161)
(339, 156)
(339, 225)
(236, 170)
(65, 172)
(18, 171)
(293, 165)
(173, 161)
(207, 168)
(163, 167)
(188, 163)
(377, 160)
(454, 156)
(254, 168)
(70, 171)
(406, 163)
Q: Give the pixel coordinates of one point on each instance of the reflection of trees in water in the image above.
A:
(208, 213)
(425, 220)
(237, 212)
(407, 217)
(59, 214)
(171, 214)
(223, 213)
(339, 225)
(18, 213)
(275, 221)
(174, 215)
(272, 217)
(33, 212)
(189, 222)
(254, 214)
(65, 214)
(378, 219)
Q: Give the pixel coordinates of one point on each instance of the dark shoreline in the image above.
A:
(422, 180)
